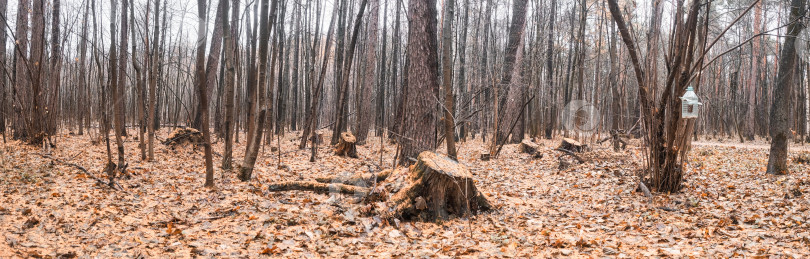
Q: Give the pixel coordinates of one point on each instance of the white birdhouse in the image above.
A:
(690, 104)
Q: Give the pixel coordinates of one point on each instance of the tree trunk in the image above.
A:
(54, 71)
(511, 79)
(83, 97)
(254, 142)
(154, 63)
(418, 129)
(447, 80)
(36, 59)
(4, 103)
(364, 98)
(200, 84)
(231, 43)
(780, 109)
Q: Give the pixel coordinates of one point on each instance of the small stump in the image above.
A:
(529, 147)
(438, 187)
(346, 145)
(183, 136)
(572, 145)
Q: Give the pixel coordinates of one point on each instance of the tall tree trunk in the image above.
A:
(139, 87)
(83, 98)
(461, 81)
(753, 80)
(254, 142)
(511, 79)
(418, 131)
(35, 61)
(364, 98)
(154, 64)
(780, 109)
(54, 71)
(231, 42)
(339, 64)
(21, 91)
(340, 123)
(552, 110)
(200, 83)
(447, 79)
(4, 102)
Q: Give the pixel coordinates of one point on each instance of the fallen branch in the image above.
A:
(317, 187)
(357, 178)
(81, 168)
(570, 153)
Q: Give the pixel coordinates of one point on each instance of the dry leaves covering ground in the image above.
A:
(729, 208)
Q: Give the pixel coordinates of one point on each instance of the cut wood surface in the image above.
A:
(572, 145)
(346, 145)
(446, 186)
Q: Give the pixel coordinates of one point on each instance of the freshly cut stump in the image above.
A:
(183, 136)
(572, 145)
(346, 145)
(529, 147)
(438, 187)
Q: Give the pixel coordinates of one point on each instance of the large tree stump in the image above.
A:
(572, 145)
(438, 187)
(346, 145)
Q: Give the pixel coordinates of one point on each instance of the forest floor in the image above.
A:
(728, 208)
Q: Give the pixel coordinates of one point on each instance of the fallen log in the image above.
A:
(357, 178)
(317, 187)
(438, 187)
(346, 146)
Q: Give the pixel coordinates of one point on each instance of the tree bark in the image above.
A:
(421, 90)
(252, 151)
(200, 84)
(447, 80)
(780, 109)
(231, 43)
(364, 98)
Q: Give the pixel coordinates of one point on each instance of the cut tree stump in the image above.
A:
(572, 145)
(183, 136)
(346, 146)
(529, 147)
(438, 187)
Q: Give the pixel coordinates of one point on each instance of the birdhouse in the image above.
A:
(690, 104)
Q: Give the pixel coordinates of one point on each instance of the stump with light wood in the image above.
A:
(346, 146)
(572, 145)
(529, 147)
(438, 188)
